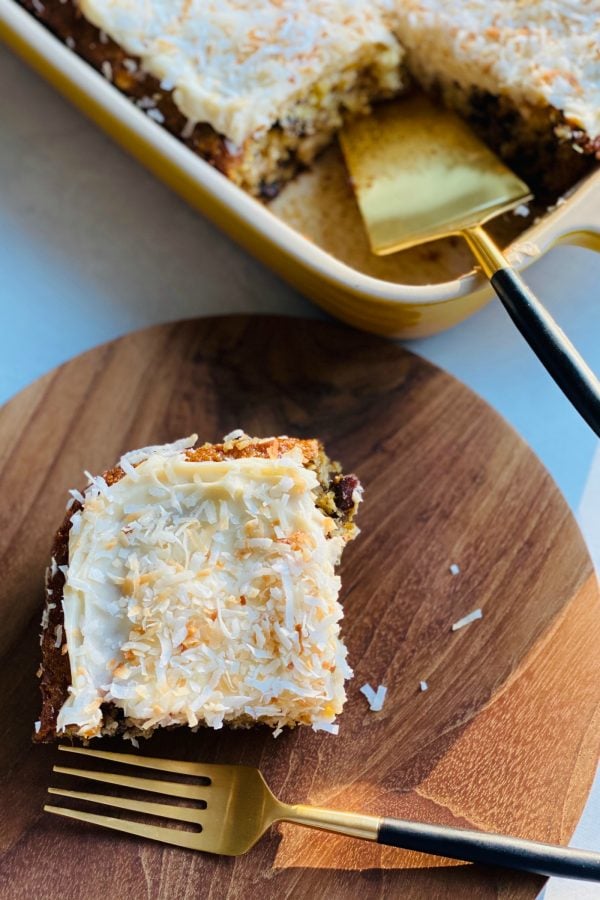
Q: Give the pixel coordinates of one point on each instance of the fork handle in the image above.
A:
(456, 843)
(490, 849)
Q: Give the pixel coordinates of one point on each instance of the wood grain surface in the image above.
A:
(506, 737)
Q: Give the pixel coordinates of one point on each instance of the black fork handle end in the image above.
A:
(491, 849)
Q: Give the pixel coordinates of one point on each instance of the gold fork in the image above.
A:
(238, 807)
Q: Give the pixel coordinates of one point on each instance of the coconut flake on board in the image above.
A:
(466, 620)
(375, 699)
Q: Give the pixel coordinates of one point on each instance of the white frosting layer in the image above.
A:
(544, 52)
(241, 64)
(202, 592)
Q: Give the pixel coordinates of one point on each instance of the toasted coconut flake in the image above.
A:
(234, 435)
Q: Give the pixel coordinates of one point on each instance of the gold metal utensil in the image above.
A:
(420, 174)
(235, 808)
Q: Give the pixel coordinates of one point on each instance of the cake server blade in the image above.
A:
(420, 174)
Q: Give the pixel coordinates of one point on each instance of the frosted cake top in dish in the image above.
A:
(240, 64)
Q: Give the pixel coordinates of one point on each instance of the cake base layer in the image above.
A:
(534, 141)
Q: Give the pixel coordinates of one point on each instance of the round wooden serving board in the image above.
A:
(507, 736)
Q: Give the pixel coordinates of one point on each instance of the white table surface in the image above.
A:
(92, 246)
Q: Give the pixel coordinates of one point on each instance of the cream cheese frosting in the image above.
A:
(202, 592)
(241, 64)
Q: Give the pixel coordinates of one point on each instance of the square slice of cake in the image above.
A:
(198, 587)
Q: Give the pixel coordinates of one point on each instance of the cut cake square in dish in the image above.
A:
(197, 586)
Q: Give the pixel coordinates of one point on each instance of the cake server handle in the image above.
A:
(543, 334)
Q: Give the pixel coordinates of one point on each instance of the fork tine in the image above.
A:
(154, 785)
(178, 767)
(166, 810)
(190, 840)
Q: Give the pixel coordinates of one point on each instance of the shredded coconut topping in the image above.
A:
(234, 435)
(137, 456)
(204, 592)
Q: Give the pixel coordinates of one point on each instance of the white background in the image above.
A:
(92, 246)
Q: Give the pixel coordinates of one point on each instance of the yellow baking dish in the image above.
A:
(311, 235)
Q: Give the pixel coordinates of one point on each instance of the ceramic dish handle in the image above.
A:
(545, 337)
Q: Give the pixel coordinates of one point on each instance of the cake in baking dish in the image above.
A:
(256, 88)
(259, 88)
(525, 74)
(198, 587)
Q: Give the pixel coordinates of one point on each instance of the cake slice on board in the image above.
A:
(197, 586)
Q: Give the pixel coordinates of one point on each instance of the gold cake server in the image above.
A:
(420, 174)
